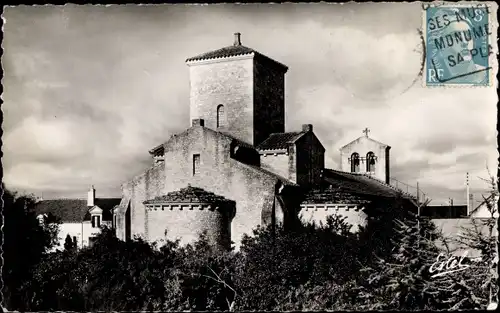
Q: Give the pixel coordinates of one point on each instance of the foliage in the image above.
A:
(477, 287)
(25, 243)
(204, 278)
(149, 278)
(402, 280)
(100, 277)
(275, 264)
(70, 245)
(312, 267)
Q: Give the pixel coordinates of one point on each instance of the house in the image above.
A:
(81, 219)
(456, 230)
(454, 223)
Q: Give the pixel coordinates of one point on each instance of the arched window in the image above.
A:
(196, 164)
(221, 116)
(370, 162)
(355, 162)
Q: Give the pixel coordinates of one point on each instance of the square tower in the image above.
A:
(238, 91)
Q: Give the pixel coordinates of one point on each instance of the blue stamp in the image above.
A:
(457, 45)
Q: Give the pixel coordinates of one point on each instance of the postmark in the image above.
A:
(458, 45)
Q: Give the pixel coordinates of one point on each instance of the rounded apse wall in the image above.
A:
(188, 221)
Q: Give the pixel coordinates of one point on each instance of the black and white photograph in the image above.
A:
(250, 157)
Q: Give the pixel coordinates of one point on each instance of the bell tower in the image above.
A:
(368, 156)
(238, 91)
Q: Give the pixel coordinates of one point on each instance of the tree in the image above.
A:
(25, 243)
(70, 245)
(203, 278)
(112, 275)
(277, 266)
(477, 287)
(401, 279)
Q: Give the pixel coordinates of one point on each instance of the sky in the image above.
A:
(88, 90)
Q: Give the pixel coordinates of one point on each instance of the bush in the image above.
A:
(312, 267)
(25, 243)
(274, 262)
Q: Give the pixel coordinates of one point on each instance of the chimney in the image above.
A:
(91, 196)
(198, 122)
(237, 39)
(307, 128)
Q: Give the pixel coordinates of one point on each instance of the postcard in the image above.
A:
(250, 157)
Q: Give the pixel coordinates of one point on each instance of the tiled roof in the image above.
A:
(232, 51)
(189, 194)
(361, 184)
(225, 52)
(68, 210)
(444, 211)
(75, 210)
(157, 150)
(279, 141)
(350, 188)
(332, 195)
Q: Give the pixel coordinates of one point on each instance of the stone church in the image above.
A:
(236, 167)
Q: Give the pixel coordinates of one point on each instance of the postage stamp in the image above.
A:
(458, 45)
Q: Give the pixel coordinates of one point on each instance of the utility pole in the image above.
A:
(418, 223)
(418, 194)
(468, 197)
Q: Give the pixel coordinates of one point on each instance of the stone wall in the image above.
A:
(248, 185)
(252, 90)
(228, 82)
(120, 216)
(269, 100)
(310, 159)
(187, 222)
(143, 187)
(276, 163)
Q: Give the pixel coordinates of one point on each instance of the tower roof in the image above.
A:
(236, 49)
(229, 51)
